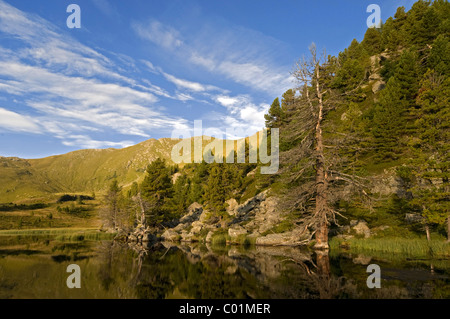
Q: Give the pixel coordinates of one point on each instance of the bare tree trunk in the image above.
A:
(143, 221)
(427, 231)
(321, 180)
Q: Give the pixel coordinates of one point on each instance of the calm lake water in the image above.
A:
(35, 267)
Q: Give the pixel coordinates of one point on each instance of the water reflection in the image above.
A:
(36, 269)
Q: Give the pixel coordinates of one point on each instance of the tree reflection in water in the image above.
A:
(167, 270)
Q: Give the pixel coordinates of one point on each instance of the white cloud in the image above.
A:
(86, 142)
(184, 97)
(52, 48)
(257, 76)
(185, 84)
(243, 55)
(158, 33)
(150, 66)
(65, 98)
(243, 113)
(189, 85)
(16, 122)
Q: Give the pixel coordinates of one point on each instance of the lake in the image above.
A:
(35, 267)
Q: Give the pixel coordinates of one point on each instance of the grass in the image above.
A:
(408, 248)
(220, 238)
(284, 226)
(244, 240)
(33, 232)
(62, 234)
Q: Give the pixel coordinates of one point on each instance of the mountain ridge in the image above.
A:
(82, 171)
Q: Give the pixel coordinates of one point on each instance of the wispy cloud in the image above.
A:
(13, 121)
(73, 88)
(158, 33)
(190, 85)
(245, 56)
(86, 142)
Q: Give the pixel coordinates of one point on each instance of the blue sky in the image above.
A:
(139, 69)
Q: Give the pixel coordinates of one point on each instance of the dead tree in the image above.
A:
(308, 73)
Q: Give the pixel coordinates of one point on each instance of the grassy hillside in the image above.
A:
(82, 171)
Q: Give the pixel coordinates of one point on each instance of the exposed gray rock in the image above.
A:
(197, 226)
(187, 236)
(361, 228)
(296, 237)
(250, 204)
(193, 213)
(232, 205)
(378, 86)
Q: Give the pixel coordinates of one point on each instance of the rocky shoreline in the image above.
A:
(250, 223)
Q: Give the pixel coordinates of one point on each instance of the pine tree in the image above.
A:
(215, 191)
(431, 160)
(372, 42)
(414, 22)
(274, 116)
(181, 190)
(156, 190)
(388, 123)
(287, 102)
(407, 75)
(113, 200)
(439, 57)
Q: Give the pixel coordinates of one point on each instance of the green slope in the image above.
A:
(82, 171)
(79, 171)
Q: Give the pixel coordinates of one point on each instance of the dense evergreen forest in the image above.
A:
(364, 135)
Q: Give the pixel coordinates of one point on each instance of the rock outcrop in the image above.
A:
(252, 219)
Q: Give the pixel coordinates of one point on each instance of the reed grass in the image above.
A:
(409, 248)
(62, 234)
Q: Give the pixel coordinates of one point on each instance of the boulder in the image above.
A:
(361, 228)
(232, 205)
(378, 86)
(275, 239)
(187, 236)
(193, 213)
(197, 226)
(250, 204)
